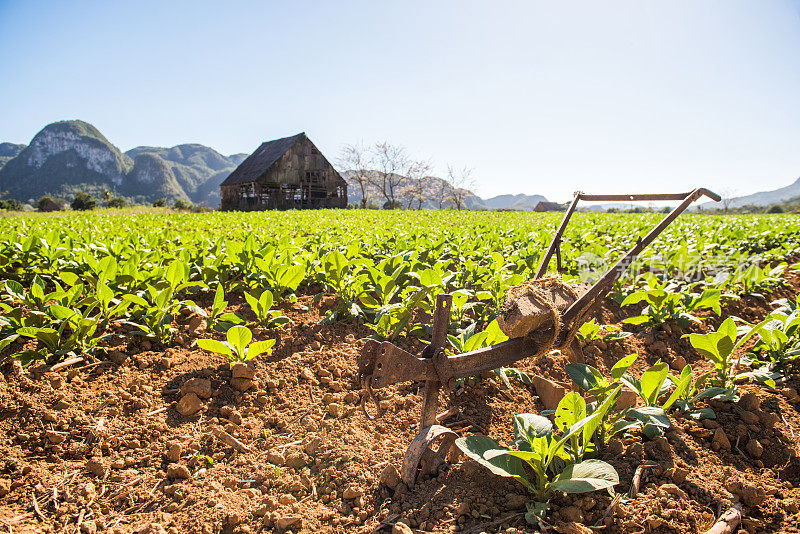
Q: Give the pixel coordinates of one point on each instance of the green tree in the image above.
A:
(160, 203)
(11, 204)
(83, 201)
(117, 202)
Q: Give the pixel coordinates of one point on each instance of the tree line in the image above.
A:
(399, 178)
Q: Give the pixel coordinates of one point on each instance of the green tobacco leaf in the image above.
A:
(528, 426)
(219, 296)
(265, 300)
(585, 376)
(651, 381)
(214, 346)
(253, 303)
(622, 365)
(681, 385)
(5, 342)
(62, 313)
(570, 410)
(639, 319)
(634, 298)
(589, 475)
(136, 299)
(68, 278)
(503, 376)
(232, 318)
(600, 412)
(239, 337)
(703, 413)
(650, 415)
(589, 329)
(291, 277)
(475, 447)
(260, 347)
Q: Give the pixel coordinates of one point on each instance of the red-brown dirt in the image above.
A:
(100, 447)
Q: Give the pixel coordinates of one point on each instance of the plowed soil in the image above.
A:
(99, 446)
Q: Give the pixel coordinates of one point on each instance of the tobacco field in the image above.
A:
(170, 372)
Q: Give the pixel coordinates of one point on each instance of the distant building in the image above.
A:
(548, 206)
(287, 173)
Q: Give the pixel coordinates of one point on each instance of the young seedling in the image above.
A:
(237, 347)
(261, 308)
(719, 347)
(537, 446)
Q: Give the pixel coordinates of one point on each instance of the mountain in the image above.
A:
(65, 157)
(197, 169)
(8, 151)
(514, 202)
(763, 198)
(70, 156)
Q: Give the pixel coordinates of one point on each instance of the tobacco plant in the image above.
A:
(218, 319)
(237, 347)
(543, 452)
(719, 347)
(261, 307)
(664, 302)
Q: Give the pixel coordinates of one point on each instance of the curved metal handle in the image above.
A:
(710, 194)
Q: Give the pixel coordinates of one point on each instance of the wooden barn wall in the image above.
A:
(301, 178)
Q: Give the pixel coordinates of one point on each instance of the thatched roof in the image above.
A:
(262, 159)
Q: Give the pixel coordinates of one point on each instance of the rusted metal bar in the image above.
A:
(441, 322)
(635, 198)
(556, 242)
(395, 365)
(613, 274)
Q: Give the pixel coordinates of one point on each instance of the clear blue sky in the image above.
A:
(536, 97)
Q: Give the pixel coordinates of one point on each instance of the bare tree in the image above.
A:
(460, 181)
(728, 195)
(390, 163)
(416, 173)
(354, 160)
(443, 193)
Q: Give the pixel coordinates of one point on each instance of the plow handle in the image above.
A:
(613, 274)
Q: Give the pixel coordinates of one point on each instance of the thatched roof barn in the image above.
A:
(548, 206)
(283, 174)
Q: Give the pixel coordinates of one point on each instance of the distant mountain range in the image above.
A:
(763, 198)
(70, 156)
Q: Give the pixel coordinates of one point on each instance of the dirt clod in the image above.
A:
(750, 402)
(285, 523)
(243, 370)
(241, 384)
(174, 451)
(199, 386)
(178, 471)
(95, 466)
(754, 448)
(572, 514)
(390, 477)
(189, 404)
(720, 440)
(151, 528)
